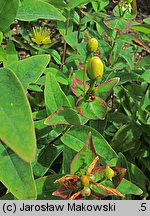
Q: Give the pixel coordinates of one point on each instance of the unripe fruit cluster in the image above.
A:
(95, 68)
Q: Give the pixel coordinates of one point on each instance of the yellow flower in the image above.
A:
(40, 36)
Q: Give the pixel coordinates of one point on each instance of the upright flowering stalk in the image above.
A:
(89, 102)
(87, 178)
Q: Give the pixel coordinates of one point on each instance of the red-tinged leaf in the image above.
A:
(62, 192)
(84, 158)
(68, 188)
(95, 109)
(63, 115)
(105, 191)
(119, 175)
(98, 173)
(141, 44)
(78, 87)
(105, 88)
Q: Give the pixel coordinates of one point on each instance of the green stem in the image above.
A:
(66, 33)
(92, 84)
(79, 27)
(112, 49)
(85, 71)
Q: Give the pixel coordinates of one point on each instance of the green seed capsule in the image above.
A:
(92, 45)
(95, 68)
(109, 173)
(86, 191)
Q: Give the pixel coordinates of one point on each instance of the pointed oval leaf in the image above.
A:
(84, 157)
(54, 96)
(30, 69)
(37, 9)
(63, 115)
(8, 11)
(76, 136)
(46, 156)
(96, 109)
(17, 129)
(46, 186)
(16, 174)
(127, 187)
(78, 87)
(105, 88)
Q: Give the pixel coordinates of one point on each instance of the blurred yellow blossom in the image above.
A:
(40, 35)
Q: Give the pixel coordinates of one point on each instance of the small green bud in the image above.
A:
(92, 177)
(86, 191)
(95, 68)
(109, 173)
(92, 45)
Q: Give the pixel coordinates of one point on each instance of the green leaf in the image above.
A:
(30, 69)
(96, 109)
(127, 187)
(68, 155)
(45, 187)
(126, 54)
(8, 11)
(116, 23)
(41, 129)
(84, 157)
(1, 37)
(105, 88)
(146, 162)
(61, 78)
(63, 115)
(2, 55)
(16, 174)
(138, 177)
(77, 86)
(45, 159)
(144, 62)
(55, 55)
(77, 3)
(41, 114)
(147, 20)
(17, 129)
(146, 76)
(122, 162)
(145, 28)
(126, 138)
(11, 54)
(126, 76)
(36, 9)
(54, 96)
(71, 39)
(76, 136)
(58, 4)
(118, 117)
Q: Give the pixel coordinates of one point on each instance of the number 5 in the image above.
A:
(143, 206)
